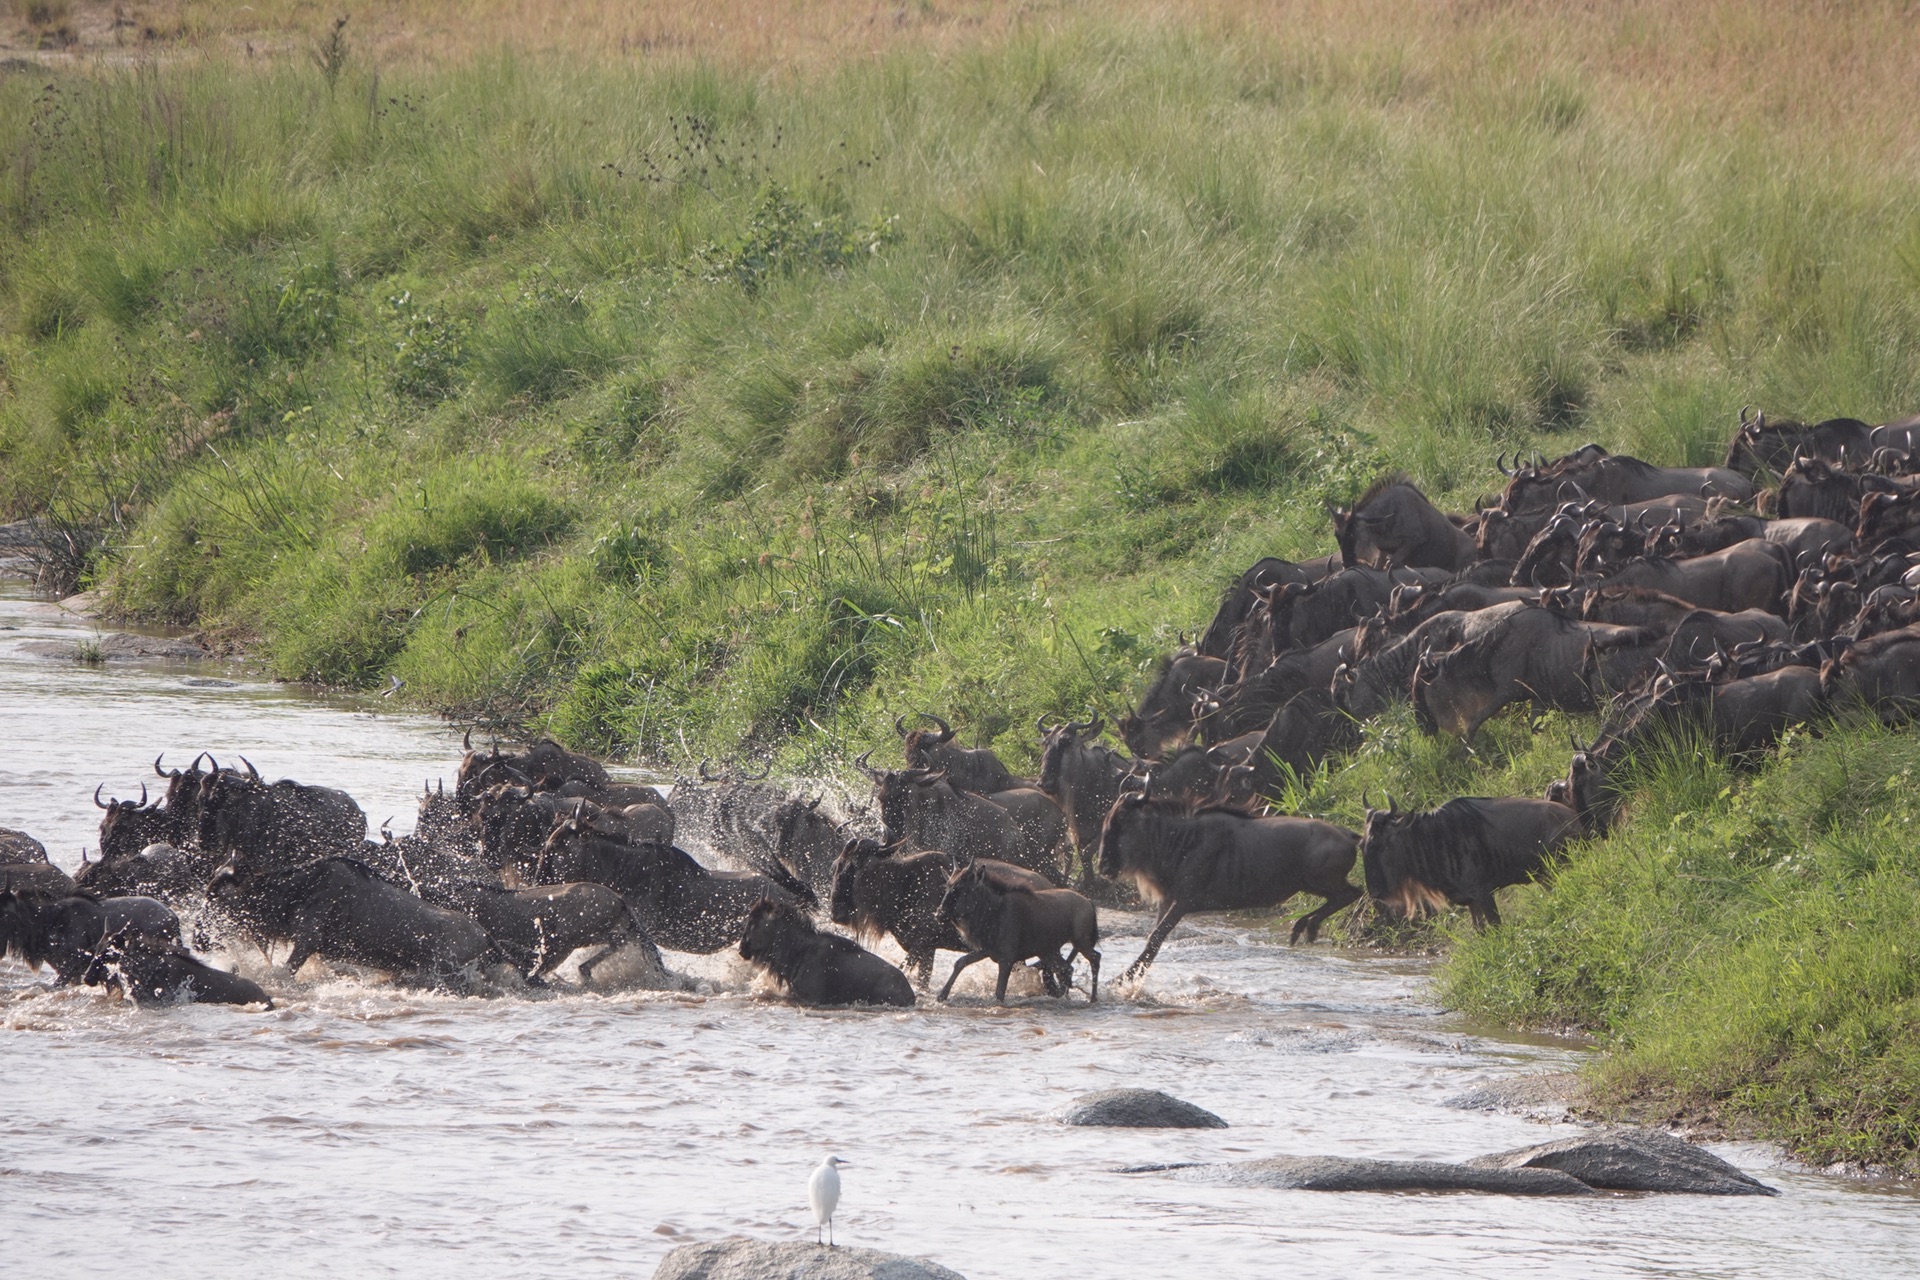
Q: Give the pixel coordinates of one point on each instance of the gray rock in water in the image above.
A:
(1346, 1173)
(1633, 1160)
(121, 648)
(18, 846)
(1138, 1109)
(1536, 1094)
(738, 1258)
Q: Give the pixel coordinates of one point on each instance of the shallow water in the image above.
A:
(365, 1130)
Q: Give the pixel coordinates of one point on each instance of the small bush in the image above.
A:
(429, 350)
(543, 345)
(782, 236)
(481, 514)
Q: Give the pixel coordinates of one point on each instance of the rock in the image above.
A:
(1535, 1094)
(20, 533)
(1346, 1173)
(121, 648)
(1628, 1159)
(1138, 1109)
(18, 846)
(738, 1258)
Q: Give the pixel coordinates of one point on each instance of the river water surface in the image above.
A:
(363, 1130)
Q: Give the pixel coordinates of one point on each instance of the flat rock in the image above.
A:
(1538, 1093)
(18, 846)
(123, 648)
(1138, 1109)
(20, 533)
(738, 1258)
(1348, 1173)
(1628, 1159)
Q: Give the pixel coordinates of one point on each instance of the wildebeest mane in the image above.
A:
(1392, 480)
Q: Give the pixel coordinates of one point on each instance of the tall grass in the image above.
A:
(683, 403)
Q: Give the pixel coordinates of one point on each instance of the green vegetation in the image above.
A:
(685, 408)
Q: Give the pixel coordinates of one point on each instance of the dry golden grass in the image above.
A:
(1812, 67)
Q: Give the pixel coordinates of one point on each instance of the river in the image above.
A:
(364, 1130)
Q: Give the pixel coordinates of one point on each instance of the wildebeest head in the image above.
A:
(843, 902)
(128, 826)
(773, 930)
(1058, 743)
(1386, 855)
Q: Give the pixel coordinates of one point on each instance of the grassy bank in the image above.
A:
(682, 400)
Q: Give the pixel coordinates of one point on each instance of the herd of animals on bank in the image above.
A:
(1741, 600)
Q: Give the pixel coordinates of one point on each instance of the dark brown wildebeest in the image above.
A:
(1616, 479)
(1236, 604)
(922, 810)
(877, 891)
(245, 820)
(157, 871)
(1818, 490)
(1302, 734)
(1886, 516)
(38, 877)
(1533, 655)
(1165, 718)
(1365, 689)
(339, 909)
(1012, 923)
(1881, 672)
(807, 841)
(1749, 575)
(680, 904)
(79, 934)
(974, 769)
(1760, 446)
(128, 826)
(1247, 705)
(1039, 820)
(1188, 777)
(1751, 714)
(1393, 526)
(1902, 435)
(1803, 538)
(1550, 557)
(818, 968)
(176, 976)
(536, 929)
(1083, 777)
(17, 847)
(1303, 617)
(1692, 633)
(1224, 860)
(1461, 852)
(544, 766)
(1584, 789)
(1410, 606)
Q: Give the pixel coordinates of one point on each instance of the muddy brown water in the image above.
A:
(365, 1130)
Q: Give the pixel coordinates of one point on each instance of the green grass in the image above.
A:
(682, 409)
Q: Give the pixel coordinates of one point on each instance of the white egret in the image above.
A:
(823, 1192)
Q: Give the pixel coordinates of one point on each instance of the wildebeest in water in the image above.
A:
(1461, 852)
(815, 967)
(1010, 923)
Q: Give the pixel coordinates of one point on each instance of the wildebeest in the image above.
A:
(1393, 526)
(1762, 446)
(1881, 672)
(511, 821)
(1236, 604)
(1306, 731)
(680, 904)
(245, 820)
(157, 871)
(1248, 704)
(1083, 778)
(925, 811)
(807, 841)
(1365, 689)
(1224, 860)
(1461, 852)
(1533, 655)
(176, 976)
(79, 934)
(18, 847)
(544, 766)
(339, 909)
(537, 929)
(877, 890)
(1165, 717)
(1303, 617)
(36, 877)
(818, 968)
(1815, 489)
(1748, 575)
(974, 769)
(1618, 479)
(1012, 923)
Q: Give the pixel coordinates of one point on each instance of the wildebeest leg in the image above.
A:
(971, 957)
(1000, 987)
(921, 963)
(1093, 981)
(1168, 918)
(1310, 922)
(303, 946)
(1484, 911)
(586, 966)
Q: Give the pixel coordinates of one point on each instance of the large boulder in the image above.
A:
(738, 1258)
(1346, 1173)
(1138, 1109)
(1632, 1160)
(18, 846)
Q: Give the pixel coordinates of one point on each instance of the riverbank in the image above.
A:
(682, 405)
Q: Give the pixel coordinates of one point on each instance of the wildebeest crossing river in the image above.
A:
(364, 1129)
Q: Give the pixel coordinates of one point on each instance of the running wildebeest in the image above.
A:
(1224, 860)
(925, 811)
(339, 909)
(176, 976)
(877, 890)
(1083, 778)
(245, 820)
(975, 769)
(1165, 718)
(537, 929)
(1461, 852)
(818, 968)
(1393, 526)
(80, 935)
(1011, 923)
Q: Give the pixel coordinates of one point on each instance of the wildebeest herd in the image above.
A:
(1741, 600)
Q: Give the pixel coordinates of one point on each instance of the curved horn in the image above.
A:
(96, 797)
(212, 764)
(1041, 723)
(1099, 723)
(900, 726)
(143, 796)
(706, 775)
(158, 772)
(255, 773)
(1364, 802)
(466, 739)
(946, 730)
(861, 762)
(766, 768)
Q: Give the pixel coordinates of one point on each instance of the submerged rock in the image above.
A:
(121, 648)
(1347, 1173)
(1138, 1109)
(1633, 1160)
(1536, 1094)
(738, 1258)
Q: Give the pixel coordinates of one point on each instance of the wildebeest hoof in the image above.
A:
(1628, 1159)
(1138, 1109)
